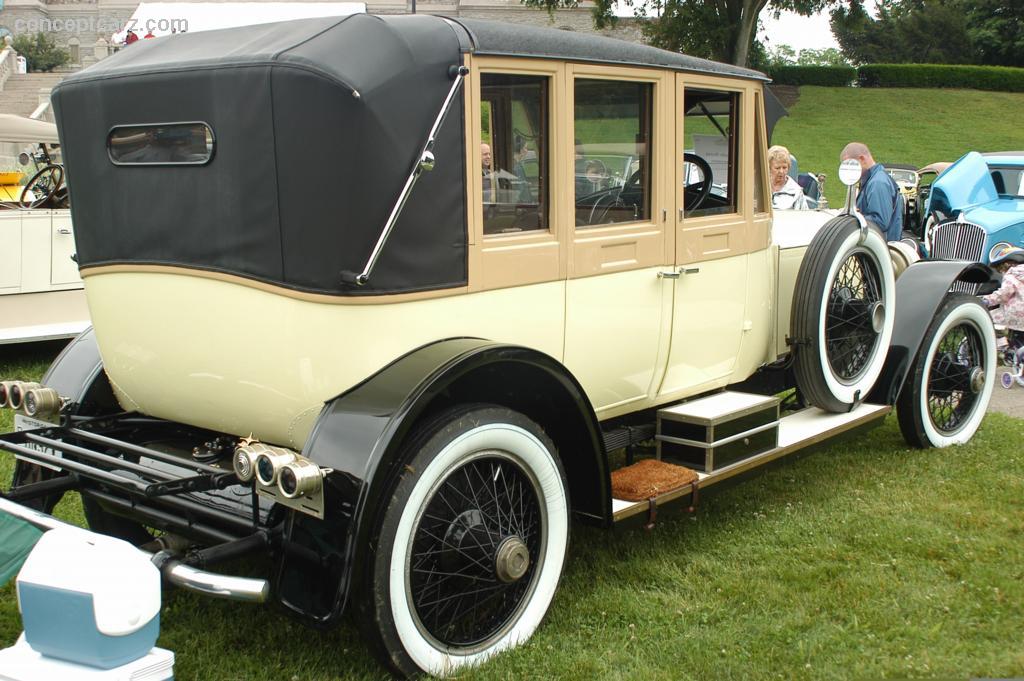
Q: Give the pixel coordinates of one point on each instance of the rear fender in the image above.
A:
(361, 434)
(77, 374)
(919, 292)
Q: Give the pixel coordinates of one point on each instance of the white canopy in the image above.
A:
(26, 130)
(164, 18)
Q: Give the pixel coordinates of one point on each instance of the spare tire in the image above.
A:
(843, 314)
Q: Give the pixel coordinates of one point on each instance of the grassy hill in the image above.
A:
(899, 125)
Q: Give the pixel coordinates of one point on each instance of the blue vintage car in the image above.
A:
(976, 206)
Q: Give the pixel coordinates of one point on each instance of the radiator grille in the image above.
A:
(958, 241)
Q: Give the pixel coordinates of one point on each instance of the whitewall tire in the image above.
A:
(471, 544)
(947, 391)
(843, 314)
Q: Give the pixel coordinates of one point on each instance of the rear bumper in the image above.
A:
(173, 570)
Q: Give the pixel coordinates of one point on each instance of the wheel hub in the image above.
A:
(512, 560)
(877, 316)
(977, 380)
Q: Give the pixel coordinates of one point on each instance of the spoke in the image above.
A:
(444, 599)
(454, 589)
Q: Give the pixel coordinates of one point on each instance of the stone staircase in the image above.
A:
(20, 93)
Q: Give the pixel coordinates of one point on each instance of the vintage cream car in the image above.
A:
(41, 294)
(331, 325)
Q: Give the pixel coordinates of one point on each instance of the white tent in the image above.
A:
(165, 18)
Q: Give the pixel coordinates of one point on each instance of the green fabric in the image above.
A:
(16, 541)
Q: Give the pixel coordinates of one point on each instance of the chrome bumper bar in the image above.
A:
(174, 571)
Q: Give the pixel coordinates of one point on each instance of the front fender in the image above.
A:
(919, 292)
(360, 436)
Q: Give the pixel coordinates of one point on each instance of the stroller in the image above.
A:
(1013, 359)
(1006, 304)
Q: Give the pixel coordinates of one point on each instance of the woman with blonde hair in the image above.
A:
(786, 193)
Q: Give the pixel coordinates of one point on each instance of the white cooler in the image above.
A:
(21, 663)
(88, 599)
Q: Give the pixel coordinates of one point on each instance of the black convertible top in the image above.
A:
(317, 123)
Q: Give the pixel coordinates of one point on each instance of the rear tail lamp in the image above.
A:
(16, 393)
(300, 478)
(5, 393)
(42, 402)
(269, 463)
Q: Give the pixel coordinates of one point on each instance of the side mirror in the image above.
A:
(24, 158)
(849, 172)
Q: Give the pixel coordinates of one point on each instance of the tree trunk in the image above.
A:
(745, 30)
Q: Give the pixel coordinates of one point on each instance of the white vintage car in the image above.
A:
(41, 294)
(350, 310)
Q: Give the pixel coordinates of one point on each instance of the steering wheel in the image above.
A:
(43, 186)
(695, 194)
(610, 201)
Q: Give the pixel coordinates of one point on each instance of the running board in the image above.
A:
(796, 431)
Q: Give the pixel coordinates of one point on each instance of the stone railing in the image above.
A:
(8, 64)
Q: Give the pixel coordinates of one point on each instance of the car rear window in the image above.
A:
(161, 144)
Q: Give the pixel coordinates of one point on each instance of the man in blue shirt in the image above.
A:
(879, 199)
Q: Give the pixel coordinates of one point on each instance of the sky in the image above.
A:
(796, 31)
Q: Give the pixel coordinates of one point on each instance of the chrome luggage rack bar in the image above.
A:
(105, 467)
(126, 483)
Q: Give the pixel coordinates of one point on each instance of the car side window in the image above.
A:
(711, 129)
(612, 169)
(515, 152)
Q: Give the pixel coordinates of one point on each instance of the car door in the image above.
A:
(722, 283)
(617, 306)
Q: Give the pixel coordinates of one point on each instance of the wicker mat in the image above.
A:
(649, 478)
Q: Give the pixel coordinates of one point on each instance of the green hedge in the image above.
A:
(1000, 78)
(829, 76)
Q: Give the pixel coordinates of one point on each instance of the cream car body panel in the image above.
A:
(792, 231)
(707, 324)
(617, 328)
(158, 368)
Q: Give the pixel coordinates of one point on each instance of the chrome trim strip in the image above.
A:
(425, 161)
(717, 443)
(177, 573)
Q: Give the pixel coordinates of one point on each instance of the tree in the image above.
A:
(906, 31)
(723, 30)
(829, 56)
(996, 30)
(40, 51)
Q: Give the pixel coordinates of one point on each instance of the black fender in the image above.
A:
(919, 292)
(360, 436)
(77, 374)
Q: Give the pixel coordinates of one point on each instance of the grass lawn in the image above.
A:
(899, 125)
(861, 560)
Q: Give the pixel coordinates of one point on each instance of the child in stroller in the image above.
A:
(1007, 311)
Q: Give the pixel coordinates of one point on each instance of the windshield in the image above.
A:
(907, 176)
(1009, 180)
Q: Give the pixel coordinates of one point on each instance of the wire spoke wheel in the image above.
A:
(850, 324)
(947, 391)
(476, 550)
(951, 393)
(470, 545)
(843, 314)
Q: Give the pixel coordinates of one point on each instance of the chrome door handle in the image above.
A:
(690, 270)
(668, 275)
(63, 230)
